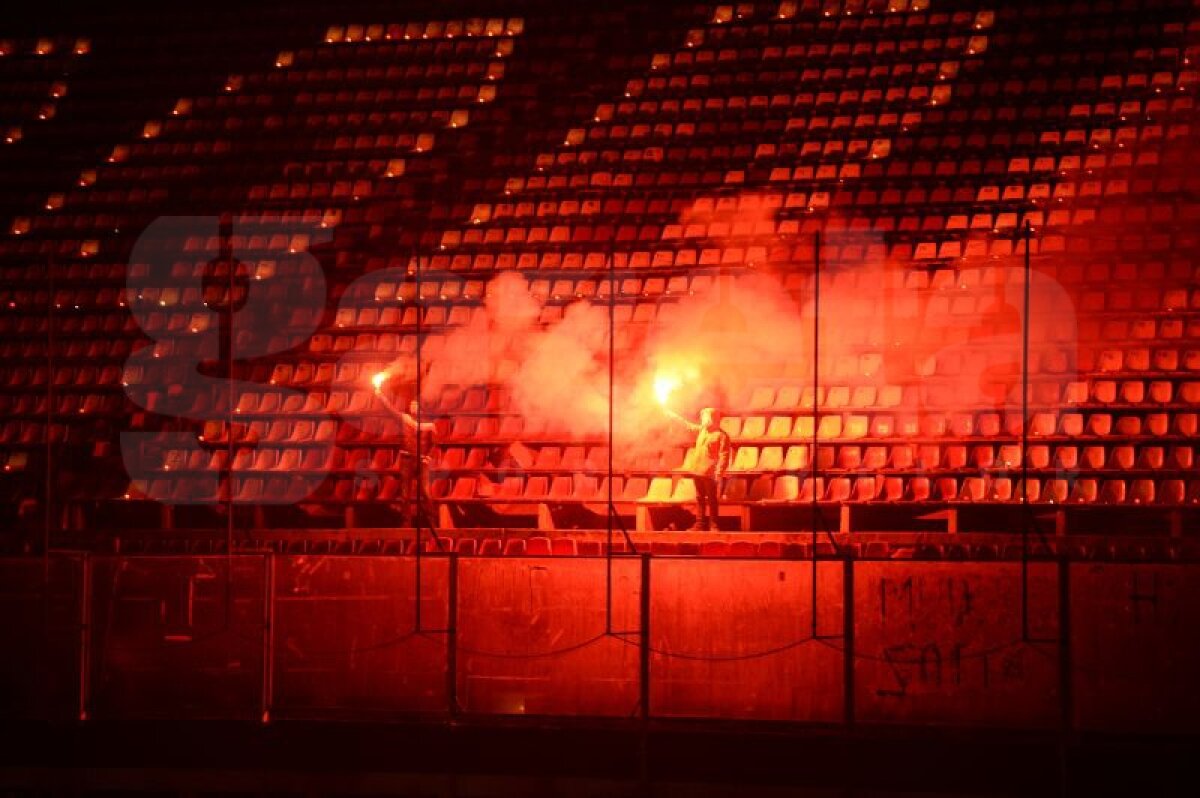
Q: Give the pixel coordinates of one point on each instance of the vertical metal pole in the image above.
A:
(85, 637)
(452, 639)
(644, 640)
(1025, 509)
(227, 254)
(612, 361)
(816, 383)
(847, 638)
(419, 485)
(644, 673)
(268, 682)
(417, 585)
(414, 500)
(48, 487)
(228, 243)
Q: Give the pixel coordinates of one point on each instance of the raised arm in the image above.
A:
(405, 418)
(387, 403)
(410, 422)
(671, 414)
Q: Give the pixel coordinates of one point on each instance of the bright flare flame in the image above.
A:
(664, 386)
(379, 379)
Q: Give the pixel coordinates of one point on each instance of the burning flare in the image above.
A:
(379, 379)
(664, 386)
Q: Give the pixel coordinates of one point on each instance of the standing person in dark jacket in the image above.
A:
(707, 461)
(416, 454)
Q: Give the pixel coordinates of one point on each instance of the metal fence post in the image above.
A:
(452, 638)
(847, 638)
(1066, 697)
(268, 680)
(85, 636)
(644, 677)
(644, 641)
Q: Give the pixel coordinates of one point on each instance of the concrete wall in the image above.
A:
(942, 642)
(345, 635)
(1135, 646)
(736, 639)
(951, 643)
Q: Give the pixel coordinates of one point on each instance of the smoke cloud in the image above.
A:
(711, 344)
(742, 340)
